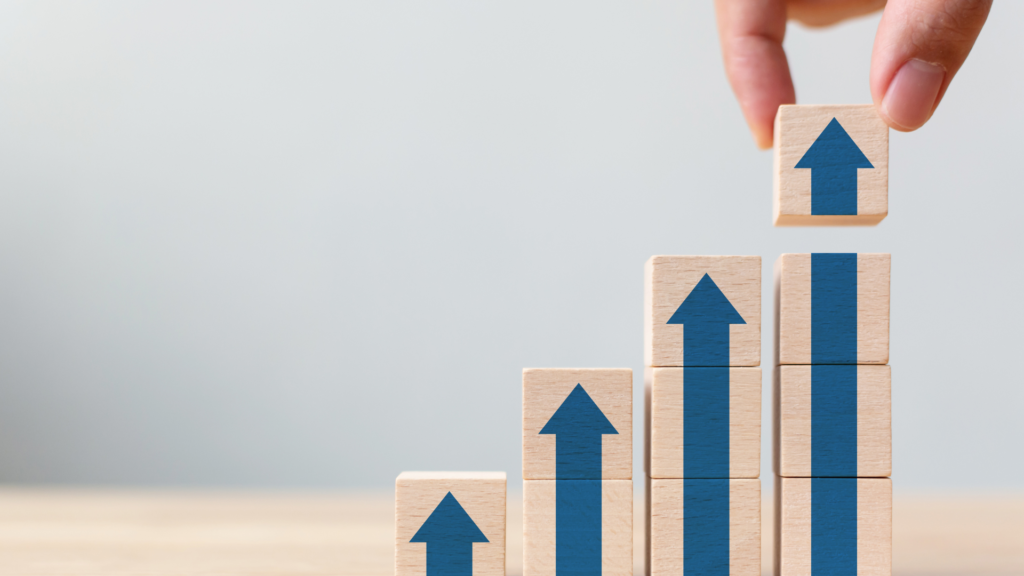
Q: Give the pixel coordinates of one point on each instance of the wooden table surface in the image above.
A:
(51, 532)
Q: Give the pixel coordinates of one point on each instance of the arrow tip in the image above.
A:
(449, 523)
(579, 416)
(834, 149)
(706, 304)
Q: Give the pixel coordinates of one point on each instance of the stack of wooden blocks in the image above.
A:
(577, 471)
(702, 346)
(832, 412)
(703, 418)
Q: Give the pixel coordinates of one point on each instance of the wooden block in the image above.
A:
(832, 308)
(833, 421)
(702, 311)
(444, 520)
(704, 527)
(831, 166)
(577, 527)
(577, 421)
(831, 526)
(703, 422)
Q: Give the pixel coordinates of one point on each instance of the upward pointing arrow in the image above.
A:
(834, 159)
(449, 534)
(706, 314)
(579, 425)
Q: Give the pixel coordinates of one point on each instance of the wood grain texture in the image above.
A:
(664, 422)
(874, 421)
(481, 495)
(796, 128)
(666, 512)
(793, 527)
(544, 390)
(668, 280)
(793, 308)
(539, 523)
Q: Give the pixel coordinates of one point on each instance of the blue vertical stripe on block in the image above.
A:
(705, 422)
(578, 527)
(834, 420)
(834, 526)
(705, 528)
(833, 308)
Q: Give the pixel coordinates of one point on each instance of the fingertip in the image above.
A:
(912, 95)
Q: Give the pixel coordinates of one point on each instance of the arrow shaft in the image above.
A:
(706, 528)
(578, 527)
(833, 308)
(449, 558)
(578, 457)
(706, 344)
(706, 422)
(833, 191)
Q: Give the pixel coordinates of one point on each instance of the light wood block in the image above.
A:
(481, 495)
(548, 390)
(737, 415)
(832, 308)
(851, 187)
(854, 426)
(704, 526)
(540, 528)
(833, 526)
(670, 280)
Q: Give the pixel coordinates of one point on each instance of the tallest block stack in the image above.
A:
(833, 440)
(703, 417)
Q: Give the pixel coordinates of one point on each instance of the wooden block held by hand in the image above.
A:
(702, 311)
(703, 422)
(704, 527)
(832, 308)
(577, 527)
(831, 166)
(450, 523)
(833, 421)
(577, 423)
(833, 526)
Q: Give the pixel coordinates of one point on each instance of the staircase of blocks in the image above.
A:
(831, 409)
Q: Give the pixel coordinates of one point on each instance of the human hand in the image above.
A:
(919, 46)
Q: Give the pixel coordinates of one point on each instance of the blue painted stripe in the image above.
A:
(705, 528)
(578, 527)
(833, 308)
(705, 422)
(834, 526)
(834, 420)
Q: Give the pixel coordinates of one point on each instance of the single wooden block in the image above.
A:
(831, 166)
(703, 422)
(832, 308)
(577, 423)
(574, 527)
(450, 523)
(702, 311)
(704, 527)
(829, 526)
(833, 421)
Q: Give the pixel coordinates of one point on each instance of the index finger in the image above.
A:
(751, 34)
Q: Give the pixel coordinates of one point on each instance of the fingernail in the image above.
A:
(911, 96)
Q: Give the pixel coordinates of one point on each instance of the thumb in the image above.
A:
(919, 47)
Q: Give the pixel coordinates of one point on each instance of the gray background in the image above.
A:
(313, 245)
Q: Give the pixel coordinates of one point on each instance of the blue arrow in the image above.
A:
(449, 534)
(707, 314)
(579, 425)
(834, 159)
